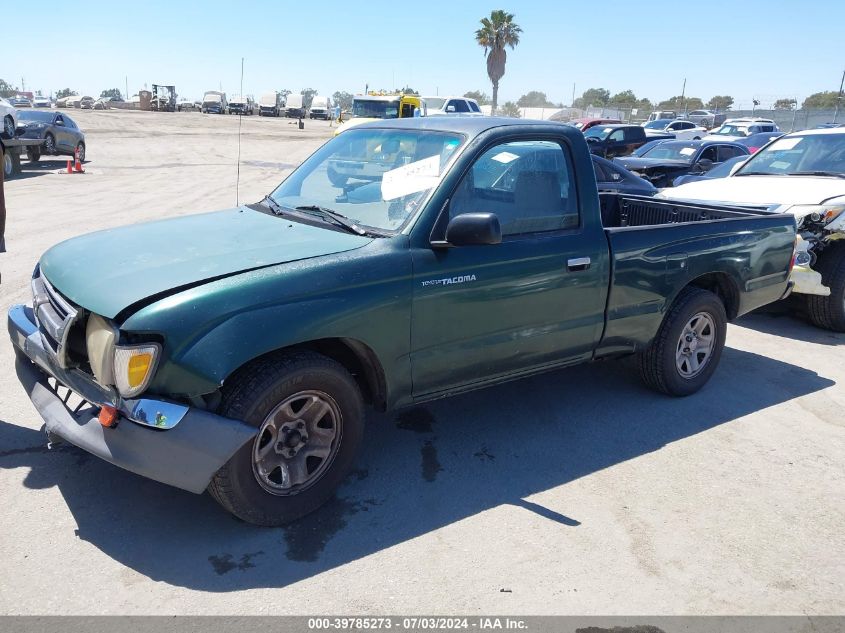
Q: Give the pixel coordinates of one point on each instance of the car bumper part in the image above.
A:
(164, 441)
(808, 282)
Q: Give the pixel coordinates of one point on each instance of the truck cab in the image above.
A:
(294, 106)
(321, 108)
(214, 102)
(270, 104)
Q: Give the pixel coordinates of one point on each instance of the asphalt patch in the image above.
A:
(225, 563)
(418, 420)
(430, 465)
(307, 538)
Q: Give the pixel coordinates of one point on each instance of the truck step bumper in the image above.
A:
(185, 456)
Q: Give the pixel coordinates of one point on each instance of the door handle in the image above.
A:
(578, 263)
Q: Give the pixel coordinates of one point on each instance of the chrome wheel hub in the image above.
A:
(296, 443)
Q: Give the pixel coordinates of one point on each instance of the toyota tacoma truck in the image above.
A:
(236, 351)
(802, 174)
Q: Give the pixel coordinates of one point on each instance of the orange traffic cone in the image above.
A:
(77, 167)
(69, 166)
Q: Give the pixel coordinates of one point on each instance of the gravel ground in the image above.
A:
(574, 492)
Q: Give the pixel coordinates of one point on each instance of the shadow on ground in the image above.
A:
(786, 319)
(52, 165)
(420, 470)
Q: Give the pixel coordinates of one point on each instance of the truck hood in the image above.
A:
(760, 190)
(108, 271)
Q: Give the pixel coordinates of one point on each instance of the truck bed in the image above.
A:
(658, 246)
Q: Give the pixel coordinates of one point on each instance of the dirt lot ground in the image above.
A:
(575, 492)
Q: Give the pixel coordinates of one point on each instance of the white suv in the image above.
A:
(442, 106)
(740, 128)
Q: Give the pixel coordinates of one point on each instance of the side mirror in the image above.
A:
(474, 229)
(705, 164)
(450, 108)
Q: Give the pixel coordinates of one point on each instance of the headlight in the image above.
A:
(824, 213)
(134, 367)
(100, 338)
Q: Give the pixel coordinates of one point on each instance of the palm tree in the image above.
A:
(497, 32)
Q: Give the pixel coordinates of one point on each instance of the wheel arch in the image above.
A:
(356, 357)
(723, 286)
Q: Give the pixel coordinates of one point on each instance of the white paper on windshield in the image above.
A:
(505, 157)
(412, 178)
(687, 151)
(779, 164)
(785, 143)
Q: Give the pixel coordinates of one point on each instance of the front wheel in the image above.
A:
(9, 126)
(308, 412)
(80, 151)
(49, 144)
(687, 348)
(829, 312)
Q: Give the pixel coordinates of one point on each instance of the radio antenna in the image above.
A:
(240, 118)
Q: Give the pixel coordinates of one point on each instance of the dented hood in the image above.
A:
(760, 190)
(107, 271)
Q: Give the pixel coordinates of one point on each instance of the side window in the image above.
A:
(461, 105)
(726, 152)
(634, 134)
(617, 136)
(601, 175)
(474, 106)
(60, 119)
(529, 185)
(709, 154)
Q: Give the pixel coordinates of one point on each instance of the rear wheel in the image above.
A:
(80, 151)
(829, 312)
(49, 144)
(9, 126)
(688, 345)
(309, 414)
(8, 165)
(33, 154)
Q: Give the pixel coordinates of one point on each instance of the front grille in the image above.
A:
(55, 317)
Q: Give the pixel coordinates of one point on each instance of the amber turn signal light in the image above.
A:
(108, 417)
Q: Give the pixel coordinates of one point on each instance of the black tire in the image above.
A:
(8, 126)
(33, 154)
(50, 144)
(80, 151)
(8, 165)
(829, 312)
(658, 366)
(252, 396)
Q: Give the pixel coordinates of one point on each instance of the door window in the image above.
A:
(527, 184)
(617, 136)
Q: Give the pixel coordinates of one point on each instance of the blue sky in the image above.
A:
(749, 49)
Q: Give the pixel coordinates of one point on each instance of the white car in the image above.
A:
(733, 129)
(41, 102)
(10, 118)
(443, 106)
(802, 174)
(683, 130)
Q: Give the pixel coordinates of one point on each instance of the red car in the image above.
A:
(586, 124)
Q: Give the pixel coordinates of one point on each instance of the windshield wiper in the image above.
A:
(275, 207)
(756, 173)
(337, 218)
(832, 174)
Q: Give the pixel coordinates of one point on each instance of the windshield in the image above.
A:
(799, 154)
(379, 178)
(723, 170)
(672, 150)
(36, 115)
(660, 124)
(731, 130)
(599, 132)
(212, 98)
(435, 103)
(371, 109)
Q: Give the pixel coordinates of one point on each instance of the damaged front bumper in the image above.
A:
(165, 441)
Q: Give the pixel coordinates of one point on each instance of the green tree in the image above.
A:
(680, 103)
(342, 99)
(821, 100)
(720, 102)
(496, 33)
(535, 99)
(478, 95)
(409, 91)
(64, 92)
(7, 89)
(284, 92)
(111, 92)
(785, 104)
(509, 108)
(624, 99)
(592, 97)
(307, 97)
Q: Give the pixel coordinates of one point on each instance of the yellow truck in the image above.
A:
(380, 105)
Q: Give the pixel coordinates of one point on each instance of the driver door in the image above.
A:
(536, 299)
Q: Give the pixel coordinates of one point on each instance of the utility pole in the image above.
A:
(683, 92)
(126, 79)
(23, 85)
(839, 97)
(572, 103)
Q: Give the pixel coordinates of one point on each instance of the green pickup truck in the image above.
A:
(404, 261)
